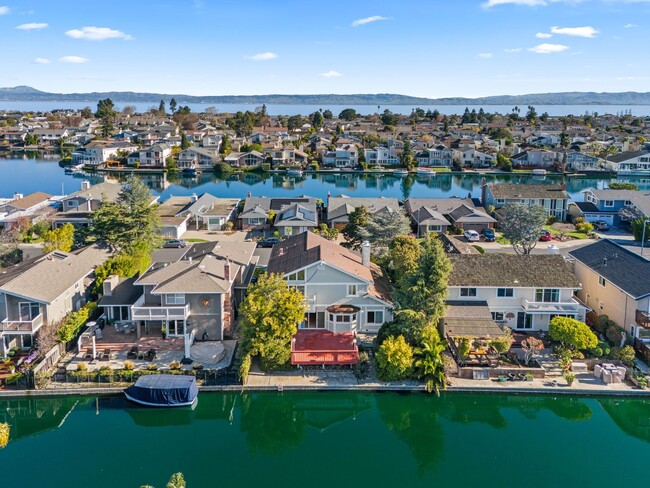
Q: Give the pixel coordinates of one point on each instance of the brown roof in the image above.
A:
(511, 270)
(470, 319)
(308, 248)
(512, 190)
(30, 200)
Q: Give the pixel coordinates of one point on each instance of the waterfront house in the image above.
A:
(210, 212)
(604, 205)
(99, 152)
(252, 159)
(287, 157)
(578, 161)
(196, 294)
(615, 282)
(522, 292)
(290, 215)
(553, 198)
(439, 155)
(32, 208)
(154, 156)
(77, 208)
(173, 222)
(197, 158)
(381, 155)
(344, 156)
(340, 207)
(535, 158)
(43, 290)
(630, 162)
(344, 291)
(438, 214)
(50, 136)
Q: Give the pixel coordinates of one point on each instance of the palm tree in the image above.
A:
(429, 365)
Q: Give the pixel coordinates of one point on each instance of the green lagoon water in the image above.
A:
(329, 440)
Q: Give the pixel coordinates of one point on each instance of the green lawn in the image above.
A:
(502, 240)
(573, 235)
(196, 240)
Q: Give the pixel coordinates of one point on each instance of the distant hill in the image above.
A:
(27, 93)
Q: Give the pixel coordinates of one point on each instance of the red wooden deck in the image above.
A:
(323, 347)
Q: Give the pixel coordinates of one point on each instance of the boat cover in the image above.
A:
(164, 390)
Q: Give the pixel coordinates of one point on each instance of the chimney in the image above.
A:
(226, 270)
(604, 261)
(85, 185)
(249, 195)
(194, 198)
(18, 196)
(365, 253)
(109, 285)
(563, 186)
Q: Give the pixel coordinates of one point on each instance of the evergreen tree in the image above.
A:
(357, 219)
(172, 105)
(161, 108)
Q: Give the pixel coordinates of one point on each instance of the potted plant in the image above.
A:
(164, 332)
(569, 377)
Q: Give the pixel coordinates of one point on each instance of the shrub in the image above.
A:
(479, 249)
(551, 220)
(4, 434)
(627, 356)
(596, 352)
(82, 366)
(266, 167)
(614, 335)
(501, 344)
(197, 366)
(13, 379)
(175, 365)
(464, 346)
(222, 168)
(128, 365)
(572, 333)
(394, 359)
(245, 367)
(569, 377)
(585, 227)
(388, 329)
(152, 367)
(74, 321)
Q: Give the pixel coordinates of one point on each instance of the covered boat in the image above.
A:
(163, 390)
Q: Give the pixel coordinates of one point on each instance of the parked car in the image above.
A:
(472, 235)
(268, 242)
(489, 235)
(175, 243)
(545, 235)
(601, 225)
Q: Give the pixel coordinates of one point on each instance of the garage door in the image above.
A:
(609, 218)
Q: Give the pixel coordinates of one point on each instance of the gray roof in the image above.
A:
(205, 275)
(169, 210)
(512, 190)
(511, 270)
(614, 194)
(45, 279)
(625, 269)
(259, 206)
(237, 252)
(343, 205)
(466, 214)
(442, 205)
(295, 215)
(624, 156)
(427, 215)
(208, 204)
(107, 190)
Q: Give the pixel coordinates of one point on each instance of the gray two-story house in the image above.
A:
(553, 198)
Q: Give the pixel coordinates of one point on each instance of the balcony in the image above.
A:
(180, 312)
(643, 319)
(550, 307)
(21, 326)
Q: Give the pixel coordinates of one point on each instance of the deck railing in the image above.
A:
(643, 318)
(160, 312)
(19, 326)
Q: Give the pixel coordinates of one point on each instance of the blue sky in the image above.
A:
(424, 48)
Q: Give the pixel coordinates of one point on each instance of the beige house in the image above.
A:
(616, 283)
(43, 290)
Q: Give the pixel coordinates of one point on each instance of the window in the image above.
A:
(299, 276)
(548, 295)
(300, 288)
(505, 292)
(609, 203)
(468, 292)
(524, 320)
(375, 317)
(601, 281)
(498, 316)
(175, 299)
(28, 310)
(352, 290)
(435, 228)
(501, 200)
(72, 203)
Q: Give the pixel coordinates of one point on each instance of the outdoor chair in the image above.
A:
(133, 353)
(512, 376)
(151, 354)
(89, 354)
(106, 355)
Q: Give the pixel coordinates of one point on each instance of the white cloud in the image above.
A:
(485, 55)
(543, 35)
(4, 10)
(630, 26)
(586, 31)
(547, 48)
(73, 59)
(368, 20)
(92, 33)
(513, 50)
(262, 56)
(41, 61)
(331, 74)
(32, 26)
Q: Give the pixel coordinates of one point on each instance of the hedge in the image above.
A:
(74, 321)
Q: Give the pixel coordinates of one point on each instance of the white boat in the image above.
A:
(400, 172)
(539, 172)
(426, 172)
(294, 172)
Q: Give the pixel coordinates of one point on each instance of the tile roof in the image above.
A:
(625, 269)
(511, 270)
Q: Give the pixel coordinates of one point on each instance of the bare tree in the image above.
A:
(531, 347)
